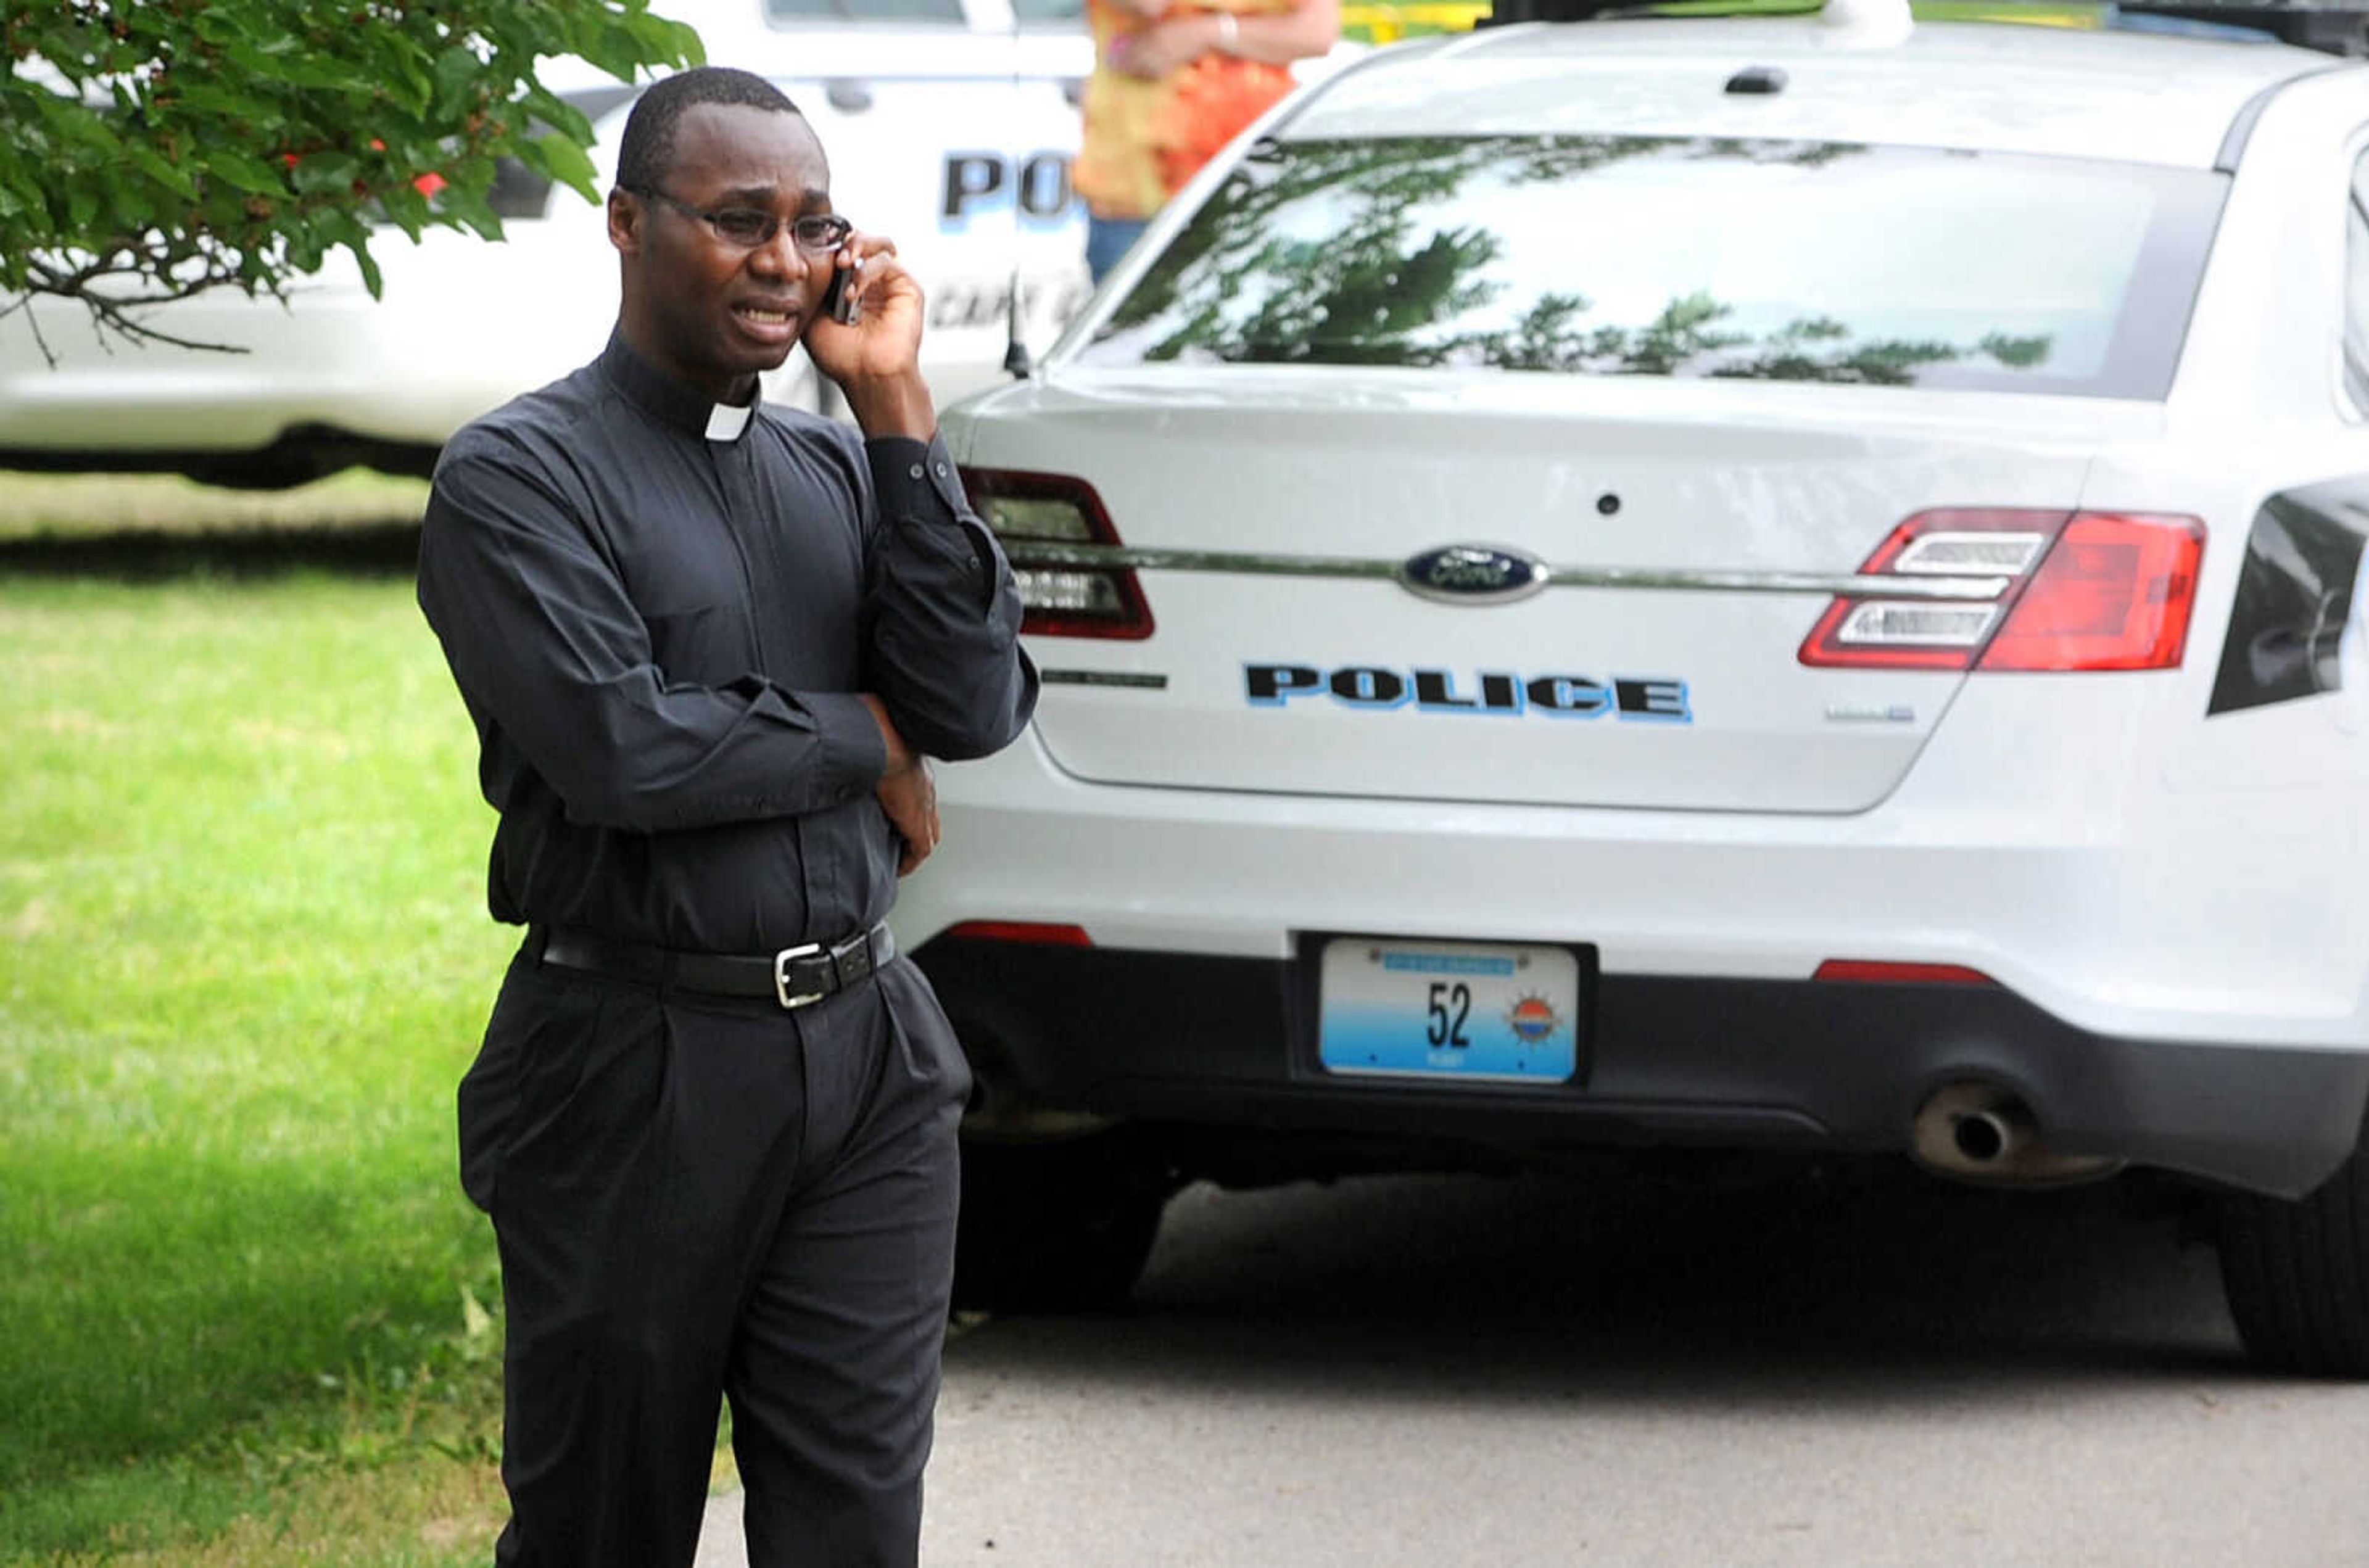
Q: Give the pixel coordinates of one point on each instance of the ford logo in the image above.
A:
(1473, 574)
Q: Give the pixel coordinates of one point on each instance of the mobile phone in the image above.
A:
(839, 301)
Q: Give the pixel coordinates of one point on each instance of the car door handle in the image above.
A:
(849, 96)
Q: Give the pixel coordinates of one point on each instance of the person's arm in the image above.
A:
(1274, 38)
(543, 641)
(941, 608)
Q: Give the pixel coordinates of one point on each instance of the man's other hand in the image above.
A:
(911, 798)
(906, 790)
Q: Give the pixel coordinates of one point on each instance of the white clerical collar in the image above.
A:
(727, 421)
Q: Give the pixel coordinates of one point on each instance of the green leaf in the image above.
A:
(409, 88)
(221, 25)
(612, 48)
(305, 250)
(371, 280)
(251, 175)
(407, 209)
(467, 210)
(457, 71)
(133, 207)
(559, 114)
(275, 64)
(73, 122)
(223, 208)
(213, 98)
(153, 166)
(317, 173)
(564, 161)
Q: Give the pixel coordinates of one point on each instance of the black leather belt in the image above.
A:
(796, 977)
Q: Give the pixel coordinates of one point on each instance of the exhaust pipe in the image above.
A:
(1983, 1138)
(1978, 1131)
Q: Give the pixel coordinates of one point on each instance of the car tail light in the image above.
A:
(2114, 594)
(2084, 590)
(1036, 933)
(1880, 971)
(1064, 598)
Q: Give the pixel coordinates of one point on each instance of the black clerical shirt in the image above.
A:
(659, 627)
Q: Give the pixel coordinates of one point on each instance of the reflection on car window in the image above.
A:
(2356, 287)
(1648, 256)
(947, 11)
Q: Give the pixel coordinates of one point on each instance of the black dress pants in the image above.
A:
(700, 1198)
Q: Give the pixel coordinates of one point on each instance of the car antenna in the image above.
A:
(1016, 363)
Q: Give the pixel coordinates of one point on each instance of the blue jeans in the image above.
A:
(1107, 241)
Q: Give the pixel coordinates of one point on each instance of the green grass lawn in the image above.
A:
(244, 958)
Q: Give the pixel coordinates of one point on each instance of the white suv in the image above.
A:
(1703, 584)
(950, 125)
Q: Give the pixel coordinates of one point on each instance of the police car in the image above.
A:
(950, 125)
(1786, 585)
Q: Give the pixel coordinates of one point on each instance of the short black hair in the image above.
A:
(647, 150)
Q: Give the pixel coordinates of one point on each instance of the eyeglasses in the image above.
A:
(749, 227)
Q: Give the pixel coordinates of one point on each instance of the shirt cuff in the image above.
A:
(853, 752)
(916, 480)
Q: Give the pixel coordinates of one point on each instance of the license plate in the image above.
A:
(1469, 1010)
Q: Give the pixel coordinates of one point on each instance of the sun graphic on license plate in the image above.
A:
(1533, 1019)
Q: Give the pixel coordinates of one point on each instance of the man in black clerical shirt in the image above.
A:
(707, 646)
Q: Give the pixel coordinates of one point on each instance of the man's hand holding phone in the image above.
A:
(865, 334)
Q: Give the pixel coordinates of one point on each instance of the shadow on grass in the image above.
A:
(372, 549)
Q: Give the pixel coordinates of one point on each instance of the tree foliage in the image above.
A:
(157, 147)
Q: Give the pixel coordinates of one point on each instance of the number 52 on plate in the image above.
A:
(1471, 1011)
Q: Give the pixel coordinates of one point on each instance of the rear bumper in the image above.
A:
(1230, 1042)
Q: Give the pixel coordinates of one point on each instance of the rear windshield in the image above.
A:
(1648, 256)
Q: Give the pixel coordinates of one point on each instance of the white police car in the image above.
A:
(1701, 583)
(950, 125)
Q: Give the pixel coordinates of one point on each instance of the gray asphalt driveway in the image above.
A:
(1470, 1371)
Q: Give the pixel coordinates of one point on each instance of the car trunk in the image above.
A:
(1277, 675)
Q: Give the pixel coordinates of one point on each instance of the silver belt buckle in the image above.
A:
(789, 999)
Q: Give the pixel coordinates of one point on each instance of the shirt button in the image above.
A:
(941, 469)
(916, 470)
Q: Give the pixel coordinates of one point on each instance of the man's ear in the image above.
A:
(625, 218)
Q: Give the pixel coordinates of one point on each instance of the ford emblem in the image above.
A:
(1473, 574)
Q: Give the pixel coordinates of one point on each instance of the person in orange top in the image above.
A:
(1173, 82)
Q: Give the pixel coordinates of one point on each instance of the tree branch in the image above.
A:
(111, 315)
(115, 312)
(33, 323)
